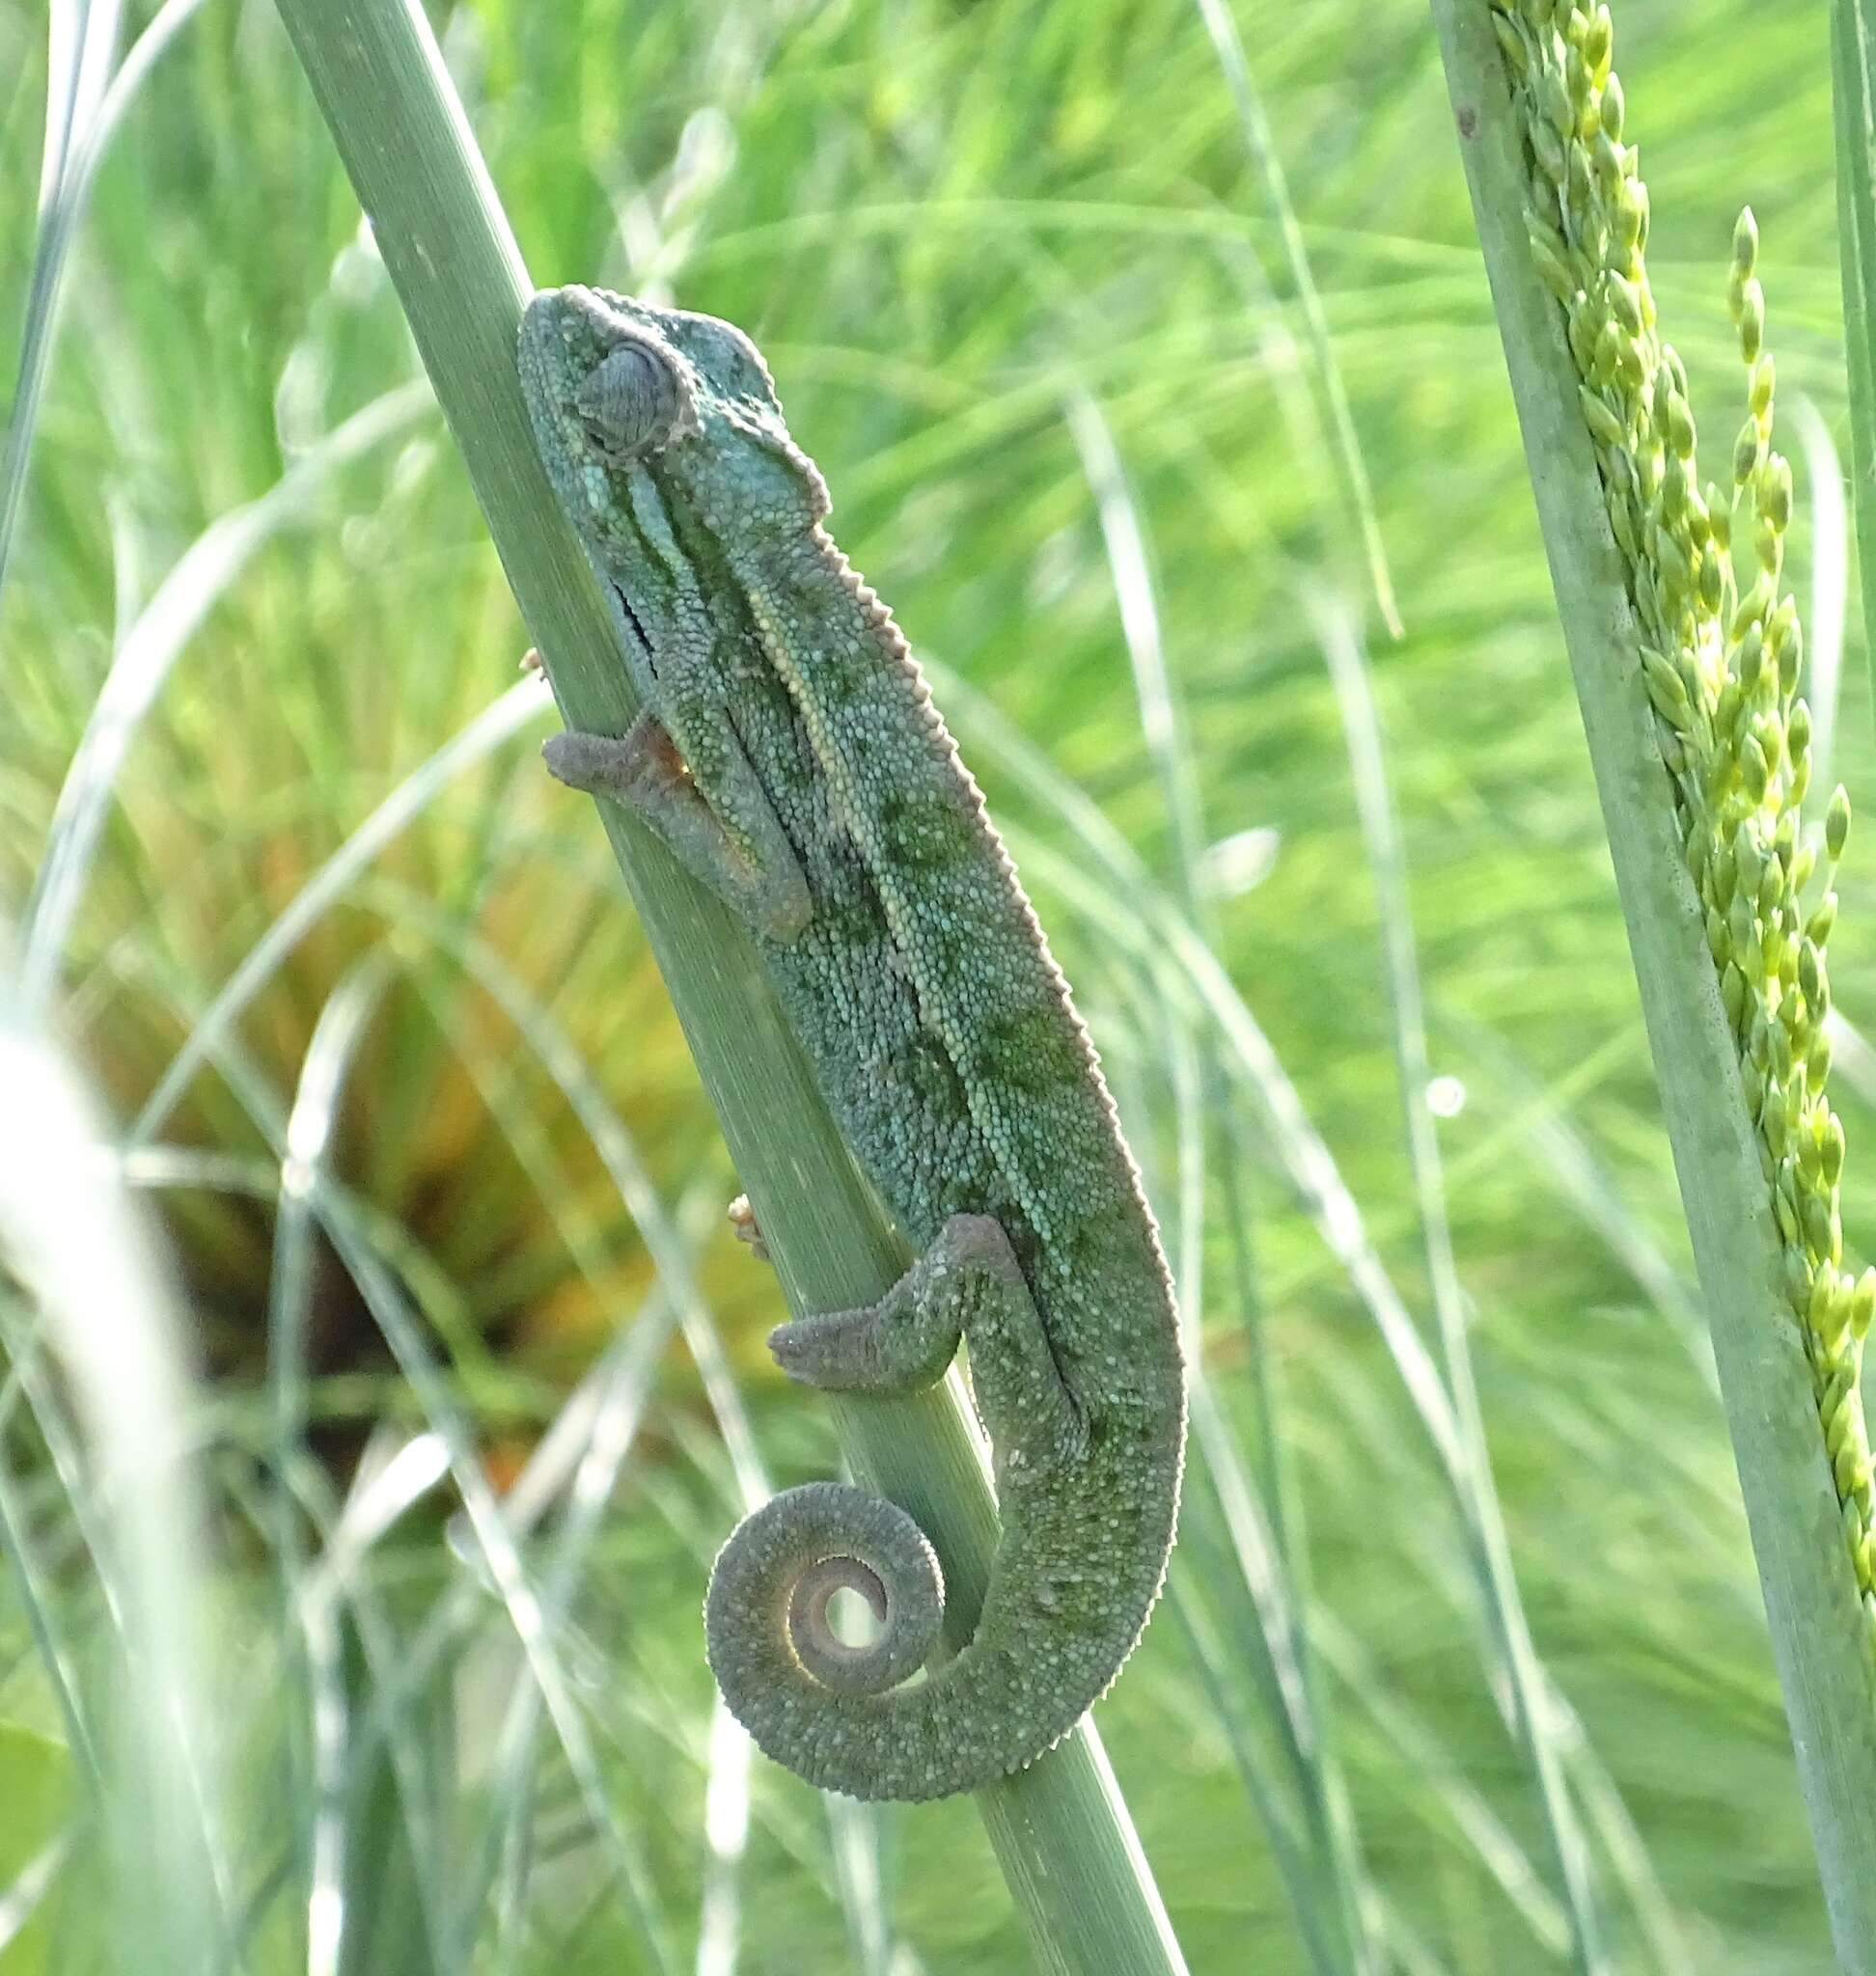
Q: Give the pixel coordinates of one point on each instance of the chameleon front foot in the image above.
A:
(756, 874)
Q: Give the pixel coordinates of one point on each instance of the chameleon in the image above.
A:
(790, 755)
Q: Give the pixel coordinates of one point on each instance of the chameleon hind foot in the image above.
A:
(968, 1285)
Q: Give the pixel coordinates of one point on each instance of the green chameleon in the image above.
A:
(791, 758)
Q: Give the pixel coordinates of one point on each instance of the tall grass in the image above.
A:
(1733, 984)
(391, 1057)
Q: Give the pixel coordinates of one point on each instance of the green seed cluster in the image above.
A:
(1722, 653)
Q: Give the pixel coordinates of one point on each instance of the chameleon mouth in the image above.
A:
(631, 619)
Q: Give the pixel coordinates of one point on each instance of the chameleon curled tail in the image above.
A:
(838, 1715)
(1085, 1490)
(783, 1669)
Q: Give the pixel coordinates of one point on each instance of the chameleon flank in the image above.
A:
(791, 758)
(1721, 658)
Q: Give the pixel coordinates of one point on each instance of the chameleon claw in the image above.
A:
(743, 1219)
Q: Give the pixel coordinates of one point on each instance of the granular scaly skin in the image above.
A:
(791, 757)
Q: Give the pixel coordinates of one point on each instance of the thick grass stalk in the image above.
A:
(1686, 681)
(1735, 734)
(1060, 1831)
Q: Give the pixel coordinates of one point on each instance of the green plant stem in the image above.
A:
(387, 1929)
(1060, 1831)
(1526, 1677)
(1817, 1627)
(1853, 97)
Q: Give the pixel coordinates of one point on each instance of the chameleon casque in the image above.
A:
(791, 758)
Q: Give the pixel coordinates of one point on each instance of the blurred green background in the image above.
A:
(1028, 275)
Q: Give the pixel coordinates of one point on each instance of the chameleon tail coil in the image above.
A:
(799, 1689)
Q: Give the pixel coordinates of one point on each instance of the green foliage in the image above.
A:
(1853, 73)
(1700, 793)
(957, 230)
(35, 1774)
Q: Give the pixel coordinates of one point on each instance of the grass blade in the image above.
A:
(74, 1238)
(1324, 1875)
(77, 130)
(1531, 1715)
(1853, 97)
(490, 728)
(1261, 144)
(1829, 586)
(1060, 1830)
(1819, 1631)
(143, 660)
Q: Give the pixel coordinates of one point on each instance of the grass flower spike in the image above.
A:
(1722, 658)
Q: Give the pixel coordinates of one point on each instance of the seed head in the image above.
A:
(1837, 822)
(1863, 1304)
(1721, 658)
(1598, 40)
(1748, 450)
(1774, 491)
(1765, 378)
(1613, 108)
(1744, 243)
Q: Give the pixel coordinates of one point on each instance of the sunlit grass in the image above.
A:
(320, 916)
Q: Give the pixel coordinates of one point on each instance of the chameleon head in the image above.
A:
(616, 385)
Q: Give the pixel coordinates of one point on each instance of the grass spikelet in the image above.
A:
(1722, 663)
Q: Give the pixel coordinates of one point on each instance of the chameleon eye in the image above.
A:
(633, 402)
